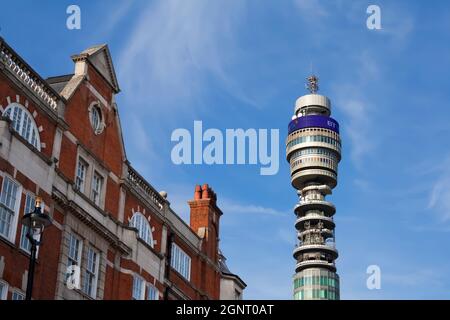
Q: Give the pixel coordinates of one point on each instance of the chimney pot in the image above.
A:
(198, 193)
(205, 193)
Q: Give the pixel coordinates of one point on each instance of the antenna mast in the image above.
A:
(313, 84)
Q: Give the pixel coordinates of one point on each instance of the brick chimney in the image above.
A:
(204, 219)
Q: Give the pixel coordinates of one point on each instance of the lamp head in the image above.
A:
(36, 220)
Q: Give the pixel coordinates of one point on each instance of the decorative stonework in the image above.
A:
(27, 76)
(148, 218)
(137, 180)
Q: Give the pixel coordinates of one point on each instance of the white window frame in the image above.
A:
(91, 273)
(4, 293)
(181, 261)
(17, 292)
(140, 222)
(23, 231)
(81, 186)
(32, 126)
(80, 250)
(12, 232)
(152, 289)
(94, 191)
(100, 125)
(143, 285)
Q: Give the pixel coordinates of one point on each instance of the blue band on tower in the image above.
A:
(314, 121)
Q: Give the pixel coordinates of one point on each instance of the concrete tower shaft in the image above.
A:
(313, 150)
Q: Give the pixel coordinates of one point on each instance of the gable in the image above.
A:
(100, 58)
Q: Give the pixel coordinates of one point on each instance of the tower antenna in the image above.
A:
(313, 84)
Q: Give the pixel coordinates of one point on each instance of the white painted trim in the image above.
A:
(14, 223)
(4, 294)
(71, 137)
(114, 178)
(18, 291)
(143, 286)
(34, 124)
(97, 95)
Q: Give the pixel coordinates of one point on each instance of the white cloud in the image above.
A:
(358, 127)
(397, 23)
(311, 8)
(143, 151)
(232, 207)
(115, 15)
(180, 194)
(175, 49)
(439, 198)
(352, 97)
(414, 278)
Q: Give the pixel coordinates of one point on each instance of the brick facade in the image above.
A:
(98, 210)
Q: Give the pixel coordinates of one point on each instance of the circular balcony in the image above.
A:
(327, 233)
(302, 177)
(313, 161)
(324, 189)
(320, 205)
(315, 264)
(327, 221)
(291, 148)
(315, 247)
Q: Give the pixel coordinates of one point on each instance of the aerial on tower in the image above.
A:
(313, 150)
(313, 84)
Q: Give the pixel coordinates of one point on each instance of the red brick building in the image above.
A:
(113, 235)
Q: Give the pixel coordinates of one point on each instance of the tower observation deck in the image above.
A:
(313, 150)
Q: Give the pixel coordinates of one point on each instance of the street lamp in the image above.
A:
(36, 221)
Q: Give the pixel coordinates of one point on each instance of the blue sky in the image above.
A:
(242, 64)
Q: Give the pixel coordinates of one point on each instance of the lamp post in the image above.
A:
(35, 221)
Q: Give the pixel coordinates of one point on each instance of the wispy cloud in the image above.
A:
(115, 15)
(353, 97)
(397, 23)
(230, 206)
(414, 278)
(357, 118)
(142, 142)
(439, 199)
(175, 49)
(311, 9)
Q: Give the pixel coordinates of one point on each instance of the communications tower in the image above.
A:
(313, 150)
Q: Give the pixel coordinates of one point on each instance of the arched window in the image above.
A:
(23, 123)
(139, 222)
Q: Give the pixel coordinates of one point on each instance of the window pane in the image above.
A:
(29, 207)
(3, 290)
(18, 296)
(74, 250)
(81, 175)
(181, 262)
(137, 288)
(8, 202)
(97, 183)
(153, 293)
(23, 123)
(90, 275)
(139, 222)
